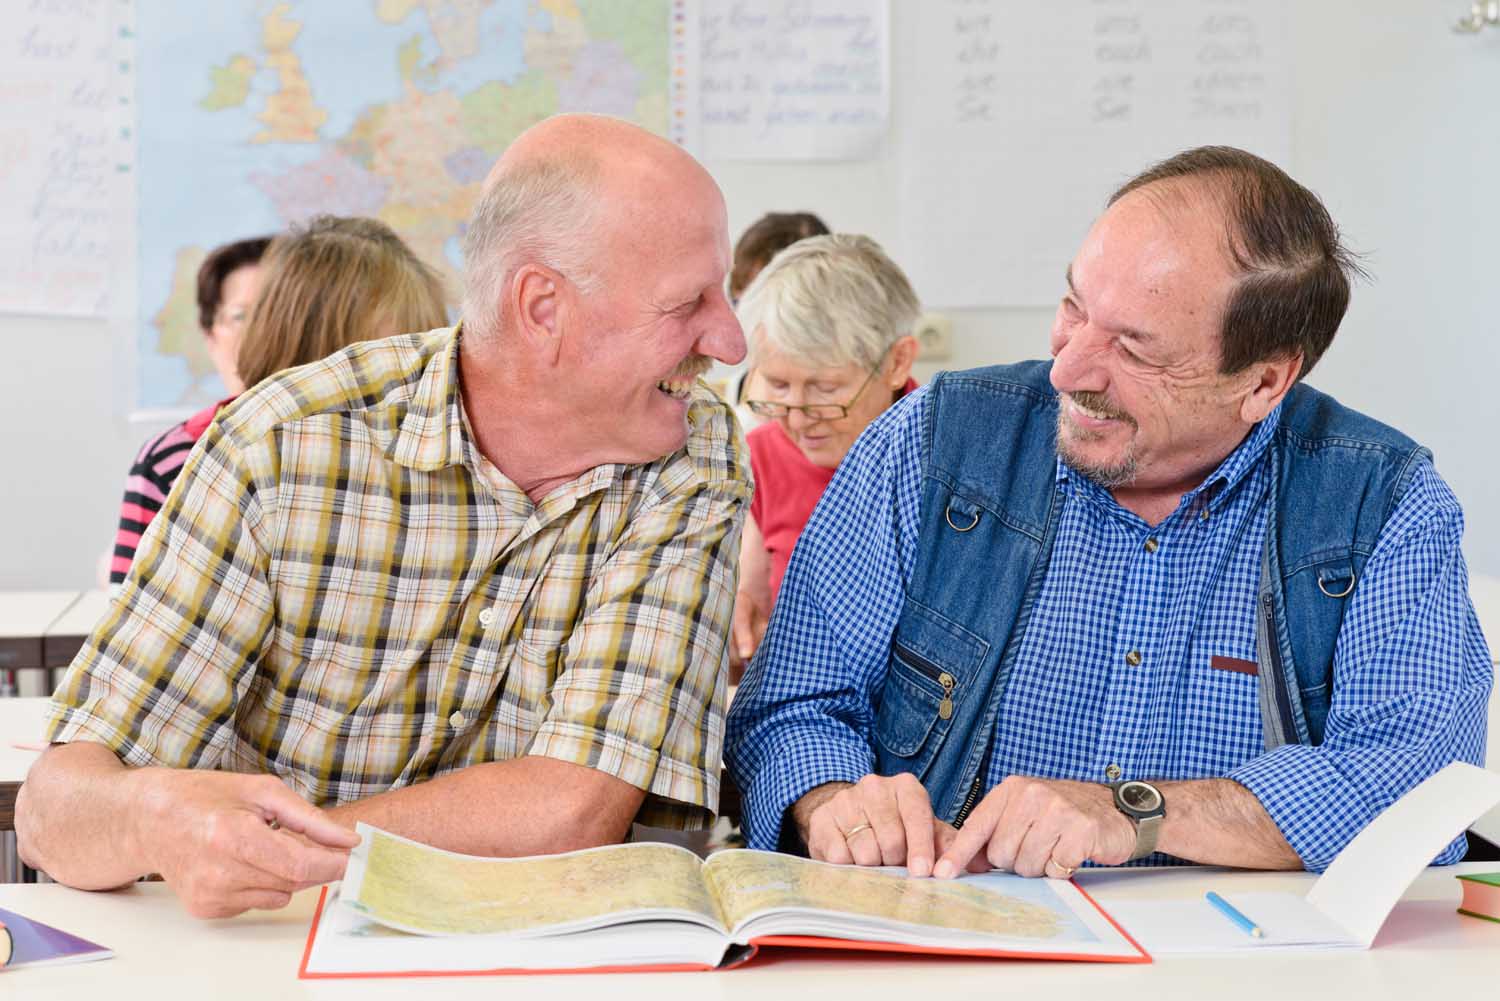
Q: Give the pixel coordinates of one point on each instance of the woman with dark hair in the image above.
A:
(325, 286)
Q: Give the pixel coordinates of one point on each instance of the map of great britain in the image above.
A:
(260, 113)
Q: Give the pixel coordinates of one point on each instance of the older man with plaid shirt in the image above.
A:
(471, 585)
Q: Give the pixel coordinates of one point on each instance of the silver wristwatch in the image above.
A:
(1142, 802)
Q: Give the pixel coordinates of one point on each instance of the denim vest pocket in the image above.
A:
(1318, 593)
(933, 661)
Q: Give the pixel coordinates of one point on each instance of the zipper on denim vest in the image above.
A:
(945, 680)
(1278, 680)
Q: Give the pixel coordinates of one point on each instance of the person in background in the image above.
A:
(228, 282)
(472, 586)
(763, 240)
(829, 327)
(325, 285)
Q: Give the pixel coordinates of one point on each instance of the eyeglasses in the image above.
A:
(233, 317)
(815, 411)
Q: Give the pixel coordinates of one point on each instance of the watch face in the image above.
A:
(1140, 797)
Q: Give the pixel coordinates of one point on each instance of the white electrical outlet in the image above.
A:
(934, 334)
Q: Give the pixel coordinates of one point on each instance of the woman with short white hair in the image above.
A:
(829, 325)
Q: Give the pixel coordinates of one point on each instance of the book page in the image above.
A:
(414, 887)
(763, 893)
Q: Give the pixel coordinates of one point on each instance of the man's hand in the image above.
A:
(226, 843)
(1040, 827)
(878, 821)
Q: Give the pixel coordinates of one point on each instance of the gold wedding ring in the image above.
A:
(1067, 871)
(851, 832)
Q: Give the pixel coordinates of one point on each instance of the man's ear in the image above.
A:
(536, 295)
(1269, 382)
(903, 355)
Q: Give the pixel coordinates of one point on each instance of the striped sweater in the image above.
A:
(150, 480)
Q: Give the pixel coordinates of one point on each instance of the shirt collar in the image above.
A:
(1217, 484)
(431, 433)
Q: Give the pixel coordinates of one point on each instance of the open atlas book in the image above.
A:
(408, 908)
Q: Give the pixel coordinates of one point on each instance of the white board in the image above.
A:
(65, 154)
(787, 79)
(1016, 120)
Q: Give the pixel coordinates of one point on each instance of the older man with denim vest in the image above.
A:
(1154, 599)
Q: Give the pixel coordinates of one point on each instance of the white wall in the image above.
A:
(1397, 127)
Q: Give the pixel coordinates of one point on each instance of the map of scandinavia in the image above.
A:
(257, 114)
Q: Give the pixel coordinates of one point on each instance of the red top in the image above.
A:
(787, 488)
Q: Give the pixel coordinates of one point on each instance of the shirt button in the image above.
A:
(1112, 772)
(486, 616)
(1150, 545)
(1203, 514)
(456, 720)
(1133, 658)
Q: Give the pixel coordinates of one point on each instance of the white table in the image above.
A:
(25, 617)
(1426, 950)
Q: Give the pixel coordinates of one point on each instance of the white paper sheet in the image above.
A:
(1350, 901)
(1168, 927)
(775, 80)
(1362, 885)
(66, 85)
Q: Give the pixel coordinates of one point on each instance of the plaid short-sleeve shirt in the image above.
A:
(343, 592)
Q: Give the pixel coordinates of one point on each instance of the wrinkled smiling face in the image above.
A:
(1135, 343)
(658, 320)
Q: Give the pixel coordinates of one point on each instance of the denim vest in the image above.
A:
(990, 507)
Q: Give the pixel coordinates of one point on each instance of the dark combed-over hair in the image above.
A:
(768, 236)
(219, 265)
(1294, 271)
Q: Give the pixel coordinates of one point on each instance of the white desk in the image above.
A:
(25, 617)
(20, 722)
(1425, 950)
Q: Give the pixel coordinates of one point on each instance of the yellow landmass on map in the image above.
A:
(177, 320)
(409, 59)
(562, 8)
(395, 11)
(229, 85)
(291, 115)
(751, 883)
(419, 888)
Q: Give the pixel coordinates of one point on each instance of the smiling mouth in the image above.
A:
(679, 385)
(1095, 413)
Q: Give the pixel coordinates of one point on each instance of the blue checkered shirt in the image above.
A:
(1127, 668)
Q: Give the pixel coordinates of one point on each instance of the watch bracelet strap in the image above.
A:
(1146, 832)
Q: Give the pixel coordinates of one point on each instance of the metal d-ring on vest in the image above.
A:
(948, 516)
(1342, 594)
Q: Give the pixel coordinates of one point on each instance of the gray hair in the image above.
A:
(829, 301)
(536, 213)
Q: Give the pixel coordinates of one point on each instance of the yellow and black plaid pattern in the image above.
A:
(343, 592)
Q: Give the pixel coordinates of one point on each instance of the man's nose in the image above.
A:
(1077, 355)
(722, 338)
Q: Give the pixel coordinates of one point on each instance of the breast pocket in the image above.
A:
(931, 677)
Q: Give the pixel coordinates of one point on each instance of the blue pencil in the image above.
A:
(1227, 909)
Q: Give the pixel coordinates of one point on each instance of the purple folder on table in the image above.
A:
(24, 942)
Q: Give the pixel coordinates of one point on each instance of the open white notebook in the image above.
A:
(1353, 897)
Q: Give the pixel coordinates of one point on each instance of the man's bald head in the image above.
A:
(562, 192)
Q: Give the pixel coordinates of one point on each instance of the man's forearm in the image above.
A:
(77, 817)
(528, 806)
(1220, 822)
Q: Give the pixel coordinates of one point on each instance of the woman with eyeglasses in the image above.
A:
(829, 326)
(319, 288)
